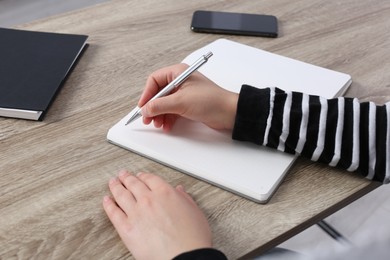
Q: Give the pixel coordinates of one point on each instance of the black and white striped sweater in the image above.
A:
(340, 132)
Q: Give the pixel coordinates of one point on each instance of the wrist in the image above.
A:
(230, 109)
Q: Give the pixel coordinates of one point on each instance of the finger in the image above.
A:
(123, 197)
(147, 120)
(137, 188)
(152, 87)
(152, 181)
(169, 122)
(165, 105)
(158, 80)
(166, 121)
(182, 191)
(158, 121)
(115, 214)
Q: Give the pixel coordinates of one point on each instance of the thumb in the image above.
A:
(161, 106)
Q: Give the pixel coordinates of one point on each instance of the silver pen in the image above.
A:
(136, 113)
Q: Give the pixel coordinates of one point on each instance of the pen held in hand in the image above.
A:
(136, 113)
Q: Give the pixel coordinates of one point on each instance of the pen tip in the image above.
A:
(133, 118)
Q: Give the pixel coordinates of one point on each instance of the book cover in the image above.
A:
(33, 67)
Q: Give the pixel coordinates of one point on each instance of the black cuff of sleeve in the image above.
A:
(252, 114)
(202, 254)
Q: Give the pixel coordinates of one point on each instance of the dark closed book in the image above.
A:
(33, 67)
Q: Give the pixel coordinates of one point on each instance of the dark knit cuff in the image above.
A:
(202, 254)
(252, 114)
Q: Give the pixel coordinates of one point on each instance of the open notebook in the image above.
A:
(249, 170)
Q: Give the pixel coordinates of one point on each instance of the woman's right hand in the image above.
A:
(198, 99)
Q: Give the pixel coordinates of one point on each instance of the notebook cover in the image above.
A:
(33, 66)
(249, 170)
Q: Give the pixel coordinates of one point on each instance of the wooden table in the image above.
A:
(53, 174)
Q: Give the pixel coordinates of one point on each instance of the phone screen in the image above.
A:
(234, 23)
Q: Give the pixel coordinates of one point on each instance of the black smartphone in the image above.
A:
(235, 23)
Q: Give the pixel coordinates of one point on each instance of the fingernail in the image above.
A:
(122, 172)
(139, 174)
(106, 199)
(113, 180)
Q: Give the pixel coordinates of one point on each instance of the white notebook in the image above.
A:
(246, 169)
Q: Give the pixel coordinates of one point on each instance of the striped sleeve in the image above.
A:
(340, 132)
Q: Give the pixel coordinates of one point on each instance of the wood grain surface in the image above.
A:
(54, 174)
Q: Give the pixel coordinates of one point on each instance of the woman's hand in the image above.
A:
(198, 99)
(155, 220)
